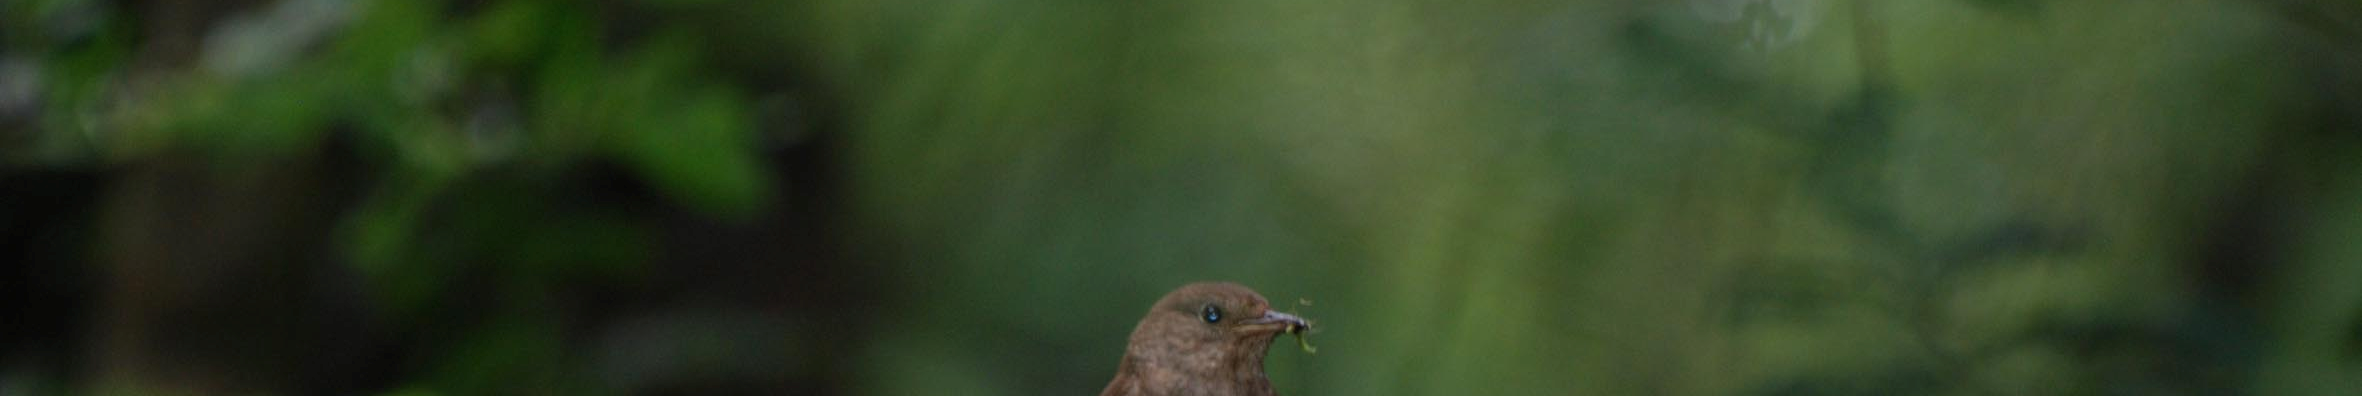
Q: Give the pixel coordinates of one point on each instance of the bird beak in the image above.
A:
(1283, 321)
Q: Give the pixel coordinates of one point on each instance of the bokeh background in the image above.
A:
(980, 197)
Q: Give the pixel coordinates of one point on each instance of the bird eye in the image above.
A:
(1213, 313)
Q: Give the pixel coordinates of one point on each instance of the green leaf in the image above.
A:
(691, 139)
(701, 156)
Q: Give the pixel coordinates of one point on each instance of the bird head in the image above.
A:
(1203, 339)
(1221, 310)
(1213, 322)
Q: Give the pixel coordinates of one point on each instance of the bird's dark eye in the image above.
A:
(1213, 313)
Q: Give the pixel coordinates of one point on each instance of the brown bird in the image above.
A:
(1204, 339)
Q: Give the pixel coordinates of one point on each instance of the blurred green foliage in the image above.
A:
(1489, 197)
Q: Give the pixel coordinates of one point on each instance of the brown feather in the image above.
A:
(1175, 351)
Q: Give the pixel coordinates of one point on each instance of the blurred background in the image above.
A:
(980, 197)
